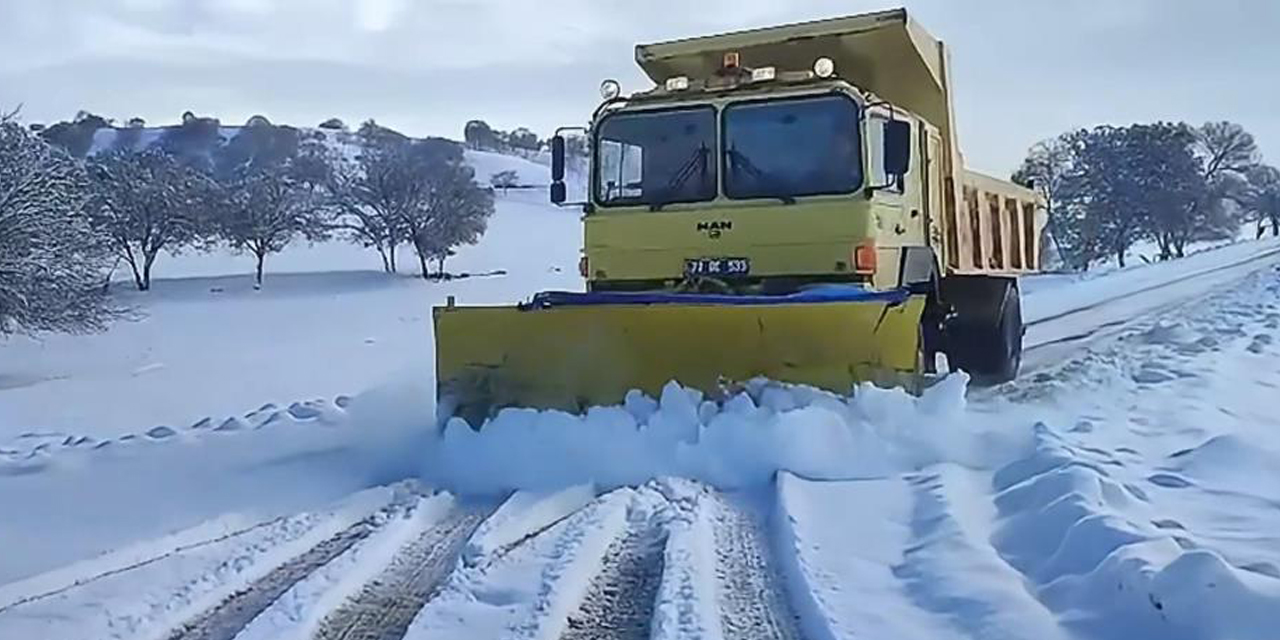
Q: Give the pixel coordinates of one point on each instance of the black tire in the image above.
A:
(984, 337)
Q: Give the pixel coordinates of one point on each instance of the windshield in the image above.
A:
(793, 147)
(656, 157)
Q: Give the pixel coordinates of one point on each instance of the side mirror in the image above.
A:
(557, 158)
(897, 147)
(559, 153)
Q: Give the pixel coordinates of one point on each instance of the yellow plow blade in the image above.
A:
(574, 357)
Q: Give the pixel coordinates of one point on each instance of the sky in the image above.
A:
(1024, 70)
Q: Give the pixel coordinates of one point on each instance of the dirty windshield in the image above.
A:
(794, 147)
(656, 158)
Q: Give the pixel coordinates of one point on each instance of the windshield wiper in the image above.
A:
(697, 163)
(737, 158)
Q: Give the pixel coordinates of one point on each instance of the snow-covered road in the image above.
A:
(1128, 490)
(1059, 325)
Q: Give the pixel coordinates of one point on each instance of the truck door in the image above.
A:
(933, 195)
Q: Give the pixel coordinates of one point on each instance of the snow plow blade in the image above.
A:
(570, 351)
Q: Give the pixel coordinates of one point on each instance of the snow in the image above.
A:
(1126, 487)
(1049, 295)
(298, 612)
(530, 593)
(686, 607)
(520, 514)
(770, 428)
(120, 604)
(325, 325)
(65, 504)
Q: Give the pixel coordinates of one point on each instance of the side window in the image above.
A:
(621, 170)
(875, 149)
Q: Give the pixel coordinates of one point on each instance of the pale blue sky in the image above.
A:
(1024, 70)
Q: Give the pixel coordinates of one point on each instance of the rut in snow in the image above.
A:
(226, 620)
(619, 603)
(753, 602)
(384, 608)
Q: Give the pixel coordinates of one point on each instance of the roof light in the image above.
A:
(732, 60)
(678, 83)
(824, 67)
(763, 74)
(610, 89)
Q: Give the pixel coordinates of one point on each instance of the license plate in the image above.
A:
(717, 267)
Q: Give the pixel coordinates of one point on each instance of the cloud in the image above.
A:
(1023, 71)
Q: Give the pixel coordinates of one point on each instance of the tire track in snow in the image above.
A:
(384, 607)
(226, 620)
(620, 601)
(753, 600)
(175, 551)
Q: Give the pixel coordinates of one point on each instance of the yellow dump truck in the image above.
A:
(789, 203)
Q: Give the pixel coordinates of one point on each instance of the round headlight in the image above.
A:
(610, 89)
(824, 67)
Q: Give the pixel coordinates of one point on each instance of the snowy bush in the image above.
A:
(53, 265)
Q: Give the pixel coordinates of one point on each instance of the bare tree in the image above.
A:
(1263, 199)
(455, 212)
(374, 193)
(1228, 152)
(53, 264)
(1225, 147)
(146, 202)
(366, 200)
(505, 180)
(1046, 169)
(267, 210)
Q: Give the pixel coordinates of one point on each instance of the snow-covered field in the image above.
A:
(1128, 486)
(327, 323)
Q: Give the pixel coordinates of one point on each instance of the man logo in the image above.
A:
(715, 228)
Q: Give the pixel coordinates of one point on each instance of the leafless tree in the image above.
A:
(504, 180)
(1263, 199)
(268, 209)
(53, 264)
(455, 212)
(366, 201)
(377, 194)
(1228, 153)
(1046, 170)
(147, 202)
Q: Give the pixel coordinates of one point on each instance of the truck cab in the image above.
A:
(770, 160)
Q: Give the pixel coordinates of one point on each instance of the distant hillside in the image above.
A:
(196, 140)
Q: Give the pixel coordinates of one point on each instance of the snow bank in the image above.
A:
(522, 516)
(72, 502)
(737, 443)
(1093, 547)
(578, 557)
(687, 603)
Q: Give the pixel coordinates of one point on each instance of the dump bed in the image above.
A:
(998, 229)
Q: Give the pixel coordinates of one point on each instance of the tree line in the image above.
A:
(1109, 187)
(72, 210)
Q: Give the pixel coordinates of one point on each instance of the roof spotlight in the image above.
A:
(610, 89)
(824, 67)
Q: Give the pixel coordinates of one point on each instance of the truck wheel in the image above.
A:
(984, 335)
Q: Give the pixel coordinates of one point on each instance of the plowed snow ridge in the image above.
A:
(384, 607)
